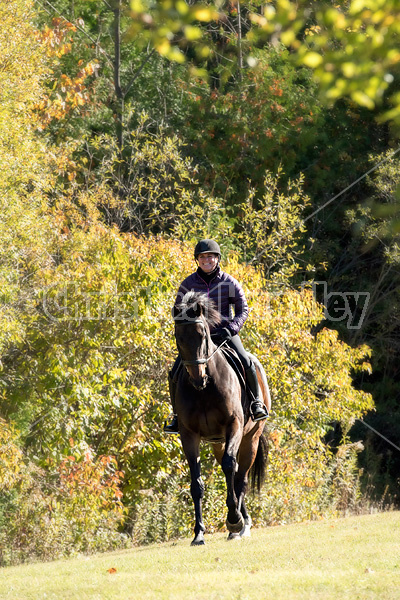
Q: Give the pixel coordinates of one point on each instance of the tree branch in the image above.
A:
(108, 58)
(136, 75)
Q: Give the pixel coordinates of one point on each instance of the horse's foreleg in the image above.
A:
(191, 448)
(234, 521)
(197, 491)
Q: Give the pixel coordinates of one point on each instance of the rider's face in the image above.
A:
(207, 261)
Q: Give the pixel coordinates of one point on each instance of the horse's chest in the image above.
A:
(208, 422)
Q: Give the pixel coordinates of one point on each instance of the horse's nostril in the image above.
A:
(199, 384)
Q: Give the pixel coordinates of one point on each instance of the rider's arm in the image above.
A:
(240, 307)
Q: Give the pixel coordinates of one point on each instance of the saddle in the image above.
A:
(233, 359)
(236, 364)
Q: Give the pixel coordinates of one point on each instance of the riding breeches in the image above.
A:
(236, 343)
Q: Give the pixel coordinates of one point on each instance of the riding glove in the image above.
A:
(221, 335)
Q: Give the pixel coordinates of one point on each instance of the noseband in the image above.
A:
(199, 361)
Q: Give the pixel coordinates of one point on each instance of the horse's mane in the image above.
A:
(197, 303)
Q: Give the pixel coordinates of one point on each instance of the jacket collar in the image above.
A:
(216, 274)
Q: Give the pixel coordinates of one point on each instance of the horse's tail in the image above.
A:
(257, 473)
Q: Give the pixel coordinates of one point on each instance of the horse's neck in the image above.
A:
(217, 361)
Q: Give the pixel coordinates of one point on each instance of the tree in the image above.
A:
(352, 47)
(118, 43)
(24, 167)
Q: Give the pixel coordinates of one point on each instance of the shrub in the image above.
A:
(47, 513)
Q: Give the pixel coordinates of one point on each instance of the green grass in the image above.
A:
(352, 558)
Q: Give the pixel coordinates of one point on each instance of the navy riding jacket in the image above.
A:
(227, 294)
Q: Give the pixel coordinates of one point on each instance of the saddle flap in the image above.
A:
(235, 362)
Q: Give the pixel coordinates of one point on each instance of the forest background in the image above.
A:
(127, 132)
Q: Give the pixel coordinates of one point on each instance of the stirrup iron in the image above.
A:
(173, 426)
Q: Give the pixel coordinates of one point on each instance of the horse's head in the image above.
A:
(193, 317)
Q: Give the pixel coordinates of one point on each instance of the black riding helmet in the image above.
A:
(207, 246)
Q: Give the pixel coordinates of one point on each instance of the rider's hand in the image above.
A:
(221, 335)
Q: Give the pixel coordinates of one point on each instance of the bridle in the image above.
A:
(199, 361)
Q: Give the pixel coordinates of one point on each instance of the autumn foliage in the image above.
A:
(93, 369)
(89, 268)
(65, 93)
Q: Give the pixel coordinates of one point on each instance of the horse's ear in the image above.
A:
(197, 309)
(193, 312)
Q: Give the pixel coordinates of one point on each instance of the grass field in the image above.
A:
(352, 558)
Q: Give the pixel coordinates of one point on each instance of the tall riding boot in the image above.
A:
(258, 410)
(172, 427)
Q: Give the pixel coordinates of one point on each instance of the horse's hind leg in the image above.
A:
(247, 455)
(247, 521)
(191, 445)
(240, 490)
(245, 531)
(234, 521)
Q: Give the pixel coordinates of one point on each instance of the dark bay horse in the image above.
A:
(212, 406)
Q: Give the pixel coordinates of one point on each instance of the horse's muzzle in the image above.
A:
(197, 375)
(199, 384)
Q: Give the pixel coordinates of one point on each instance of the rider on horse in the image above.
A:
(229, 298)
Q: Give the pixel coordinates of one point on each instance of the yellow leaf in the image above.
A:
(137, 6)
(182, 7)
(288, 37)
(312, 59)
(259, 20)
(176, 55)
(204, 13)
(203, 51)
(163, 47)
(349, 69)
(192, 33)
(362, 99)
(197, 72)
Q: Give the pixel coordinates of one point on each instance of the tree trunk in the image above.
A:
(239, 42)
(117, 74)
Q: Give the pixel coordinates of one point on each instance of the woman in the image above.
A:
(230, 301)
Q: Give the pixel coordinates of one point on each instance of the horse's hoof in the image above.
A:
(235, 527)
(247, 526)
(198, 542)
(233, 536)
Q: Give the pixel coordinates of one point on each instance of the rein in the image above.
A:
(200, 361)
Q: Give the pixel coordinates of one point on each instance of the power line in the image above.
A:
(378, 433)
(351, 185)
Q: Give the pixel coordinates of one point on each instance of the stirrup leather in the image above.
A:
(258, 410)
